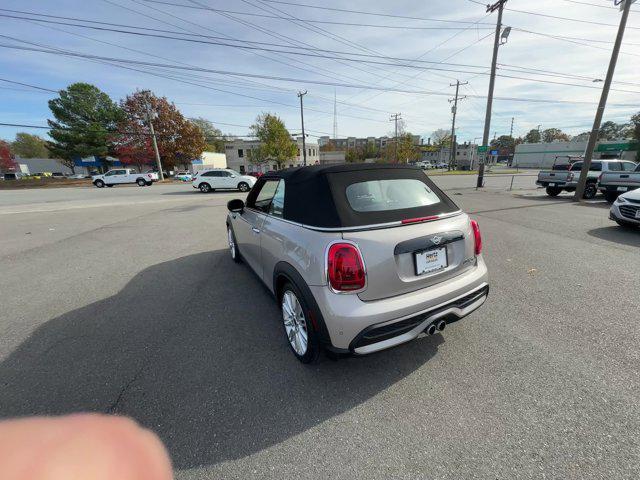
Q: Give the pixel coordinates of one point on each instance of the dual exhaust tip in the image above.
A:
(437, 326)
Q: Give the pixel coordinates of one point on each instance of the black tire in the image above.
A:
(244, 187)
(233, 249)
(149, 184)
(141, 182)
(590, 191)
(99, 183)
(204, 187)
(611, 195)
(109, 185)
(313, 345)
(553, 191)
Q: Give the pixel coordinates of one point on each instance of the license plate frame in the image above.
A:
(552, 184)
(622, 189)
(424, 266)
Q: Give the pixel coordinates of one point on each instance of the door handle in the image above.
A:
(255, 230)
(624, 176)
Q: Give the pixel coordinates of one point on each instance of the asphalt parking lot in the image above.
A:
(125, 301)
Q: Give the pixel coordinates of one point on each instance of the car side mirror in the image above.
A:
(235, 206)
(233, 176)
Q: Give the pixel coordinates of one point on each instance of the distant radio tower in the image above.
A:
(335, 116)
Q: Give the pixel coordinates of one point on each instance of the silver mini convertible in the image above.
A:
(359, 257)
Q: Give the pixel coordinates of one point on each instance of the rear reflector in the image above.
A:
(419, 219)
(477, 237)
(345, 268)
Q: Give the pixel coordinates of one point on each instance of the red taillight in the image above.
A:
(345, 268)
(477, 237)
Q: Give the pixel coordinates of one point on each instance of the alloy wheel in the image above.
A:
(295, 323)
(232, 244)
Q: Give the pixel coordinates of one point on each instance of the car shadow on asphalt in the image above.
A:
(194, 191)
(625, 236)
(194, 350)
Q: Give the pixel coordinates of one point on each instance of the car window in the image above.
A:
(596, 167)
(393, 194)
(277, 204)
(110, 173)
(265, 195)
(628, 166)
(614, 167)
(209, 174)
(225, 174)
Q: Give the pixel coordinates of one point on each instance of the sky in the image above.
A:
(373, 65)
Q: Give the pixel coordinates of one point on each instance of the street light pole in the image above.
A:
(304, 141)
(499, 5)
(595, 131)
(155, 143)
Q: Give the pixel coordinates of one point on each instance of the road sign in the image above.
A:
(494, 152)
(482, 148)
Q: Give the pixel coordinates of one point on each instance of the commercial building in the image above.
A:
(353, 143)
(238, 154)
(209, 160)
(543, 155)
(332, 158)
(466, 155)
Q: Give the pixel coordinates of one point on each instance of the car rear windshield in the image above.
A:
(390, 194)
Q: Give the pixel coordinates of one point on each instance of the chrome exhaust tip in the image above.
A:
(431, 329)
(441, 325)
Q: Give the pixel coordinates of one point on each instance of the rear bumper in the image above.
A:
(348, 319)
(555, 184)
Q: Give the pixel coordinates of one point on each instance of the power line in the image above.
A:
(28, 85)
(569, 19)
(270, 77)
(327, 22)
(360, 12)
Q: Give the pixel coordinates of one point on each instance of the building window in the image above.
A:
(242, 169)
(240, 153)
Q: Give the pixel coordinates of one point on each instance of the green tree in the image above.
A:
(213, 136)
(441, 138)
(634, 129)
(275, 141)
(581, 137)
(85, 121)
(29, 146)
(554, 135)
(614, 131)
(352, 156)
(506, 144)
(533, 136)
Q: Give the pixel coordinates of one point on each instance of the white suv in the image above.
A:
(222, 178)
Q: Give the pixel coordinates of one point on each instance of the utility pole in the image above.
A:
(511, 132)
(304, 141)
(454, 110)
(499, 5)
(394, 118)
(155, 143)
(595, 131)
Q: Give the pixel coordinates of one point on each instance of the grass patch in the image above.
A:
(44, 183)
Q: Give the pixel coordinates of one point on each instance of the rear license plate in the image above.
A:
(552, 184)
(622, 189)
(431, 261)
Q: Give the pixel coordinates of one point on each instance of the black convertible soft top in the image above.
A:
(316, 195)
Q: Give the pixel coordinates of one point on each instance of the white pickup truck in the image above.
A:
(119, 176)
(615, 182)
(556, 181)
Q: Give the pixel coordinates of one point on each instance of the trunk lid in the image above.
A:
(390, 255)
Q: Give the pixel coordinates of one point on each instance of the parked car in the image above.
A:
(77, 176)
(625, 211)
(222, 179)
(58, 175)
(255, 174)
(184, 176)
(360, 257)
(614, 182)
(557, 181)
(120, 176)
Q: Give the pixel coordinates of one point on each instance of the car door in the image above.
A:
(225, 179)
(111, 178)
(120, 176)
(248, 225)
